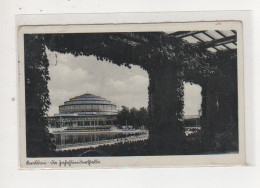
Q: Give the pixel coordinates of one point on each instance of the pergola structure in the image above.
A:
(207, 58)
(213, 40)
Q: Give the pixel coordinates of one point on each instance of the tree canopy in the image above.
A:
(134, 117)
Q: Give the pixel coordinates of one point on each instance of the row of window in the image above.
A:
(88, 107)
(81, 118)
(81, 123)
(88, 102)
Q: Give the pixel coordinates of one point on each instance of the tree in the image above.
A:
(133, 117)
(142, 117)
(123, 116)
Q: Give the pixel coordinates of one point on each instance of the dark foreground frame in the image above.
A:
(169, 62)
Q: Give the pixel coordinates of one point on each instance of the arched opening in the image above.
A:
(73, 80)
(192, 99)
(72, 76)
(192, 110)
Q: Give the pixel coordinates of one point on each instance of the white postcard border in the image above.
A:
(143, 161)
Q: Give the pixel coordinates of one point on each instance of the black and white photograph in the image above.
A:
(137, 92)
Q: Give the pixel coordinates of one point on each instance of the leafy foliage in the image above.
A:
(169, 62)
(134, 117)
(38, 139)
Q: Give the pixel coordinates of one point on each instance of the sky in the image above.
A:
(72, 76)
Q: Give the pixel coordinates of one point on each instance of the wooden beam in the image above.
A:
(218, 42)
(221, 33)
(208, 35)
(215, 48)
(181, 34)
(226, 46)
(234, 32)
(222, 45)
(197, 38)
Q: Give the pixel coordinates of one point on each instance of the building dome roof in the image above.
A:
(88, 104)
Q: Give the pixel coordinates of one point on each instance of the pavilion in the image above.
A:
(86, 121)
(85, 111)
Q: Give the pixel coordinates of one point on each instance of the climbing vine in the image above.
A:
(38, 139)
(168, 61)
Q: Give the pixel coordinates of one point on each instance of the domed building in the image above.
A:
(84, 110)
(88, 104)
(88, 120)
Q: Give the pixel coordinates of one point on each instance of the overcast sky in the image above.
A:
(72, 76)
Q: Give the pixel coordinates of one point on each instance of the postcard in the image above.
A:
(131, 95)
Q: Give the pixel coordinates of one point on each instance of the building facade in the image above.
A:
(87, 111)
(88, 120)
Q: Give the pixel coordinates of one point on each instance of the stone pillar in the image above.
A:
(210, 106)
(165, 108)
(213, 116)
